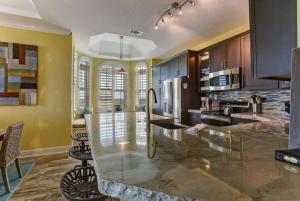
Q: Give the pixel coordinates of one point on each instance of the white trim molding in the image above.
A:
(44, 151)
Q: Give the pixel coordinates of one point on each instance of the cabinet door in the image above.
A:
(174, 71)
(194, 118)
(248, 80)
(157, 107)
(218, 58)
(165, 71)
(183, 65)
(233, 53)
(156, 79)
(273, 26)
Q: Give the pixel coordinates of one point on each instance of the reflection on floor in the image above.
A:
(42, 183)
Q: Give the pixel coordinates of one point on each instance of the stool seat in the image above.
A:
(80, 136)
(80, 184)
(81, 152)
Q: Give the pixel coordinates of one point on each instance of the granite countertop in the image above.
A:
(233, 163)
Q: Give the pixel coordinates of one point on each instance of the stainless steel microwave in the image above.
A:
(225, 80)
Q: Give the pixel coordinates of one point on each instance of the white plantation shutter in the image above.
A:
(84, 98)
(141, 83)
(112, 87)
(81, 82)
(105, 92)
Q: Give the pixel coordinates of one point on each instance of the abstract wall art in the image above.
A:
(18, 74)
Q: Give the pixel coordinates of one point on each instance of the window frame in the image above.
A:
(140, 68)
(115, 67)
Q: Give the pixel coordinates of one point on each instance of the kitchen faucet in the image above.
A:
(148, 128)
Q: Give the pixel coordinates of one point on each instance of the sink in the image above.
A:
(228, 122)
(168, 125)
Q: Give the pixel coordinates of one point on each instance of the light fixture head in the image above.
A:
(180, 11)
(162, 20)
(170, 14)
(156, 27)
(192, 2)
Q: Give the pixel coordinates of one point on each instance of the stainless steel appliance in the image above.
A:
(225, 80)
(172, 92)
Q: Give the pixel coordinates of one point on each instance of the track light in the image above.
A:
(192, 2)
(180, 11)
(175, 7)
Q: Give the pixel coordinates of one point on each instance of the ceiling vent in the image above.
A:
(136, 33)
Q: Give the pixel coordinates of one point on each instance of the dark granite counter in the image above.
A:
(233, 163)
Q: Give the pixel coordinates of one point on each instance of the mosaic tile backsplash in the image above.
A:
(273, 105)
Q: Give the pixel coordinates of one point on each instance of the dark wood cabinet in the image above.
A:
(217, 57)
(183, 64)
(157, 107)
(156, 79)
(165, 71)
(273, 26)
(226, 55)
(194, 118)
(248, 80)
(174, 72)
(233, 53)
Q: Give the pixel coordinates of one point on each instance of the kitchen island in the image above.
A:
(234, 163)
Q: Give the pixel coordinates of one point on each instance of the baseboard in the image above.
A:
(44, 151)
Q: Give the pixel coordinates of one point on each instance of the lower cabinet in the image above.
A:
(194, 118)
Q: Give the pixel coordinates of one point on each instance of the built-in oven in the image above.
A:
(225, 80)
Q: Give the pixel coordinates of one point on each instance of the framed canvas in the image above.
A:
(18, 74)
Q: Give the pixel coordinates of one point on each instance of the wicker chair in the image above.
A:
(10, 151)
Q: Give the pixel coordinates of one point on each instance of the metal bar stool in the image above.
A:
(82, 153)
(80, 135)
(80, 184)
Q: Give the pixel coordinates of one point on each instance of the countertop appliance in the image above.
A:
(256, 103)
(172, 102)
(223, 116)
(225, 80)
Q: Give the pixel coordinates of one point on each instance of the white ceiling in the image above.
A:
(86, 18)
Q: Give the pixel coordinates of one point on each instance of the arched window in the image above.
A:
(82, 84)
(141, 83)
(112, 88)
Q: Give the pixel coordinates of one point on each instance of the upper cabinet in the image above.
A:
(226, 55)
(248, 80)
(165, 71)
(273, 26)
(233, 53)
(156, 79)
(218, 57)
(183, 64)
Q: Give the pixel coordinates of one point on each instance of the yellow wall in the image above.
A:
(47, 124)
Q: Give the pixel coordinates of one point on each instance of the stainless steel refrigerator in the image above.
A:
(173, 90)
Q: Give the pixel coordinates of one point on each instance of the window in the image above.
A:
(84, 98)
(81, 84)
(141, 83)
(112, 92)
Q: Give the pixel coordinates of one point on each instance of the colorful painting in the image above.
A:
(18, 74)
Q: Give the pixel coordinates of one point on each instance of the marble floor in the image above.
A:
(42, 182)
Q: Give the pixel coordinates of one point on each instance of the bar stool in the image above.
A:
(82, 153)
(80, 184)
(80, 135)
